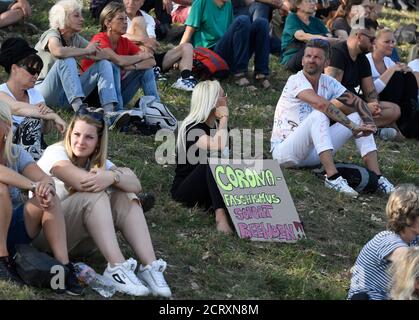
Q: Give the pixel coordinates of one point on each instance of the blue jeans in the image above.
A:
(136, 79)
(63, 84)
(242, 39)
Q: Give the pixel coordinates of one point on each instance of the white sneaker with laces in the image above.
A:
(123, 278)
(341, 185)
(385, 186)
(187, 84)
(152, 276)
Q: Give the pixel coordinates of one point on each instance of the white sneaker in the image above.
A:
(385, 186)
(340, 185)
(123, 278)
(152, 276)
(187, 84)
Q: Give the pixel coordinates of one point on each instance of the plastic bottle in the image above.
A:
(97, 282)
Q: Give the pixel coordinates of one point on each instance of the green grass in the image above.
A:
(203, 264)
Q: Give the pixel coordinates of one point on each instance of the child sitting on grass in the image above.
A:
(370, 277)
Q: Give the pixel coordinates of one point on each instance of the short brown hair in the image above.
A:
(402, 208)
(109, 12)
(320, 44)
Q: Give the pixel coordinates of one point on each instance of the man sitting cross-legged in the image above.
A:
(302, 135)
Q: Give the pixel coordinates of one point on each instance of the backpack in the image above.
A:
(34, 267)
(359, 178)
(151, 116)
(207, 64)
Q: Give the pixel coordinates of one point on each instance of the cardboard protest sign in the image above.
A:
(258, 200)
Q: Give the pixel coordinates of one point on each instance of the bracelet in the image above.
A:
(33, 187)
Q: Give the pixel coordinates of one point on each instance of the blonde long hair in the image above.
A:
(405, 273)
(6, 116)
(98, 158)
(203, 101)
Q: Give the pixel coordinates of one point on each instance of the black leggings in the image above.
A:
(402, 89)
(199, 187)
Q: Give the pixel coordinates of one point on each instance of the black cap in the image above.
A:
(13, 50)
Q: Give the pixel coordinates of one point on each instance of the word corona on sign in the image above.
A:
(258, 200)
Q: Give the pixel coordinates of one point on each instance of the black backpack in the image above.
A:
(359, 178)
(35, 268)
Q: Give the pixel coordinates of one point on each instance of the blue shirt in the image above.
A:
(22, 161)
(370, 272)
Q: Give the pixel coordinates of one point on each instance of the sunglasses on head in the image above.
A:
(92, 113)
(33, 71)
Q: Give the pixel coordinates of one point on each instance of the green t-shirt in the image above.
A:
(292, 25)
(209, 21)
(48, 59)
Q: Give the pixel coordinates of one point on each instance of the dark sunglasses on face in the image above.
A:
(369, 37)
(92, 113)
(33, 71)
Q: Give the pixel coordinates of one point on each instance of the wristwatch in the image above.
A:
(33, 187)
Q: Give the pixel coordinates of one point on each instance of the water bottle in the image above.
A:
(97, 282)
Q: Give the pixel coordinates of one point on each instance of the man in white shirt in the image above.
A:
(302, 135)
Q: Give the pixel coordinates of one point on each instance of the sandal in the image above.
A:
(263, 81)
(241, 80)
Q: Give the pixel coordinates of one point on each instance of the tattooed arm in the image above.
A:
(335, 73)
(368, 88)
(321, 104)
(356, 104)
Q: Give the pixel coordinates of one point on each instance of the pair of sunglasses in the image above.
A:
(94, 114)
(31, 70)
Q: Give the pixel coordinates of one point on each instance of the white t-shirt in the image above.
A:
(34, 98)
(414, 65)
(50, 157)
(150, 24)
(291, 111)
(378, 83)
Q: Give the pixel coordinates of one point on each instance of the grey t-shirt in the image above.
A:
(76, 41)
(22, 161)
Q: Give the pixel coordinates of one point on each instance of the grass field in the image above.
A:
(203, 264)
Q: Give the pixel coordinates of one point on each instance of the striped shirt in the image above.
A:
(370, 272)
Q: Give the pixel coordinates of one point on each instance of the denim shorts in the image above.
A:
(17, 233)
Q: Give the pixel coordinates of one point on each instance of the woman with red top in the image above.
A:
(132, 66)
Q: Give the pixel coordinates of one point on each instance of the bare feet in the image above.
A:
(222, 223)
(224, 227)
